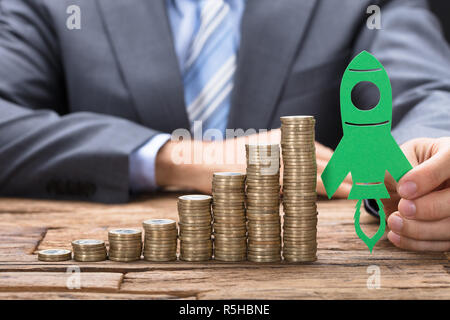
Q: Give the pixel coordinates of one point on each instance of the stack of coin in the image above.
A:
(263, 202)
(54, 255)
(125, 245)
(195, 227)
(299, 189)
(160, 242)
(230, 228)
(89, 250)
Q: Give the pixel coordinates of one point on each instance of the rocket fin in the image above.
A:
(337, 169)
(398, 164)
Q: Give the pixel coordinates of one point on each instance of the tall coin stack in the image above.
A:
(195, 227)
(89, 250)
(230, 227)
(299, 189)
(160, 242)
(125, 245)
(263, 202)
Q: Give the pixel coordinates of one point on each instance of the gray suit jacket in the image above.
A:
(75, 103)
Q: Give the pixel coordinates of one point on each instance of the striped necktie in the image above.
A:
(210, 67)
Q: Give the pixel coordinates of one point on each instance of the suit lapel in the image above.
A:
(141, 38)
(271, 35)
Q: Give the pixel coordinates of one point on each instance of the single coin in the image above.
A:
(195, 198)
(159, 224)
(124, 232)
(54, 255)
(88, 242)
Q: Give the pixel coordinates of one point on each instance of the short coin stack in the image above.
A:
(125, 245)
(160, 242)
(263, 202)
(299, 189)
(54, 255)
(89, 250)
(195, 227)
(230, 227)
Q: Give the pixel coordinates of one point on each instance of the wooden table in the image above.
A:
(341, 271)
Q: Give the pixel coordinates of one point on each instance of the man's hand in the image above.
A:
(200, 159)
(198, 175)
(420, 202)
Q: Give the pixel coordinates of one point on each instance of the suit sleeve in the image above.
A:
(416, 56)
(44, 153)
(336, 170)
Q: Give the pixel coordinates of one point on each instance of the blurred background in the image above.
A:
(442, 9)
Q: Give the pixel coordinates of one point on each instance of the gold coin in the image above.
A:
(230, 220)
(231, 258)
(234, 228)
(195, 259)
(229, 175)
(227, 242)
(124, 256)
(89, 258)
(232, 206)
(160, 249)
(262, 243)
(241, 252)
(196, 251)
(238, 227)
(263, 190)
(300, 259)
(159, 224)
(160, 259)
(299, 240)
(88, 243)
(195, 198)
(125, 233)
(54, 255)
(125, 243)
(153, 237)
(160, 243)
(226, 215)
(263, 234)
(254, 258)
(127, 259)
(195, 221)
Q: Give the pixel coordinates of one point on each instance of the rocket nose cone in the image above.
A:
(365, 61)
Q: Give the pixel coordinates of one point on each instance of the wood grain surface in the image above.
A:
(341, 271)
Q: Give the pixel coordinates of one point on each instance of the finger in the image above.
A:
(409, 149)
(322, 152)
(342, 192)
(391, 205)
(417, 245)
(433, 206)
(419, 230)
(322, 164)
(390, 183)
(348, 179)
(425, 177)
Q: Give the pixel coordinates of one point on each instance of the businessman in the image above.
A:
(86, 112)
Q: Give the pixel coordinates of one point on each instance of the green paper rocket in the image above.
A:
(367, 148)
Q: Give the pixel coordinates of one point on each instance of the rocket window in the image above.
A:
(365, 95)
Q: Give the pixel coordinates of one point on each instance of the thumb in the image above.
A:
(426, 177)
